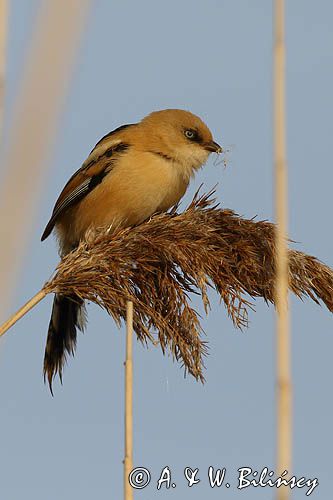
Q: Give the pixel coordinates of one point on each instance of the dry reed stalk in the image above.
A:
(128, 461)
(44, 83)
(284, 388)
(160, 263)
(3, 44)
(22, 311)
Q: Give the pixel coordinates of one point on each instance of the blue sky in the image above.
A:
(213, 58)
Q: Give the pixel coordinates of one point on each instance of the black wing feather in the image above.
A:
(88, 184)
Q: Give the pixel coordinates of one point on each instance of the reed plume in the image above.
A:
(160, 263)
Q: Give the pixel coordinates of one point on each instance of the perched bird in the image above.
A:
(132, 173)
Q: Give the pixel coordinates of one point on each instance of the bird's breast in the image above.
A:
(139, 185)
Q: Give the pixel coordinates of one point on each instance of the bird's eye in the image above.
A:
(191, 134)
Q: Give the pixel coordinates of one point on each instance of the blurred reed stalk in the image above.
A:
(45, 79)
(284, 388)
(3, 45)
(128, 461)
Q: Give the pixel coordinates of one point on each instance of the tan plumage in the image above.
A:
(132, 173)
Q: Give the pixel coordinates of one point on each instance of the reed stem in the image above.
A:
(128, 462)
(284, 391)
(22, 311)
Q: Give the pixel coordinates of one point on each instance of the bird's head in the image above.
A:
(180, 136)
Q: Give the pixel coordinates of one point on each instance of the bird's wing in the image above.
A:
(98, 164)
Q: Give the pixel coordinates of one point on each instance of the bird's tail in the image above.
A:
(68, 314)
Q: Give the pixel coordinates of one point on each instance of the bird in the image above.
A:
(133, 172)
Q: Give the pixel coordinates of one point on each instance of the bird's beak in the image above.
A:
(213, 147)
